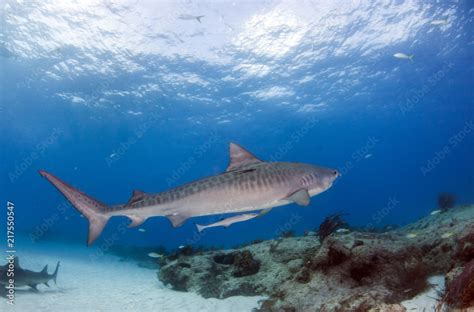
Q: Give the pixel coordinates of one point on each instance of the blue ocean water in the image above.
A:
(116, 96)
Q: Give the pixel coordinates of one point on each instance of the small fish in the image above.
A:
(228, 221)
(368, 156)
(400, 55)
(188, 17)
(342, 231)
(112, 155)
(447, 234)
(435, 212)
(411, 235)
(141, 230)
(439, 22)
(181, 247)
(155, 255)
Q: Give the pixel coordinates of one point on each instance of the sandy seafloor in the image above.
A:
(105, 284)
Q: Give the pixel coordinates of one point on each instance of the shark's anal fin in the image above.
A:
(177, 219)
(46, 283)
(136, 220)
(240, 157)
(300, 197)
(264, 212)
(33, 286)
(136, 196)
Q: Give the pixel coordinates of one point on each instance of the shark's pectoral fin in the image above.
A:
(300, 197)
(240, 157)
(136, 220)
(177, 219)
(136, 196)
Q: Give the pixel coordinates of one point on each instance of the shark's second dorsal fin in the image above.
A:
(136, 196)
(45, 269)
(240, 157)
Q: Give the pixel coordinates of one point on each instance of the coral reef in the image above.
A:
(460, 289)
(356, 271)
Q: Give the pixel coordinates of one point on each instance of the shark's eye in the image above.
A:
(335, 172)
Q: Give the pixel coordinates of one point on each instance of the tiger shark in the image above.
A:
(248, 184)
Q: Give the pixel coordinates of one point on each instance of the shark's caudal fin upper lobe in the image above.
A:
(55, 274)
(93, 210)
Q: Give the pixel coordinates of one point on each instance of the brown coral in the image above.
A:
(460, 292)
(245, 264)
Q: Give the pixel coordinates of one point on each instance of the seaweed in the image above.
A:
(446, 201)
(330, 225)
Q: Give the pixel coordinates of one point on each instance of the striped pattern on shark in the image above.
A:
(248, 184)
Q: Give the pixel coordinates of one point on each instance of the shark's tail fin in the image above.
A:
(200, 227)
(93, 210)
(198, 18)
(55, 274)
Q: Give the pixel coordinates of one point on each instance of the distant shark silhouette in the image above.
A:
(248, 184)
(24, 277)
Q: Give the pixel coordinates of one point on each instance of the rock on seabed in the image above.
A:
(357, 271)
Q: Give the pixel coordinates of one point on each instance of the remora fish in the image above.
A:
(24, 277)
(190, 17)
(228, 221)
(403, 56)
(248, 184)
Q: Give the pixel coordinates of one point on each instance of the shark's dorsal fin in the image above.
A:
(136, 196)
(300, 197)
(240, 157)
(45, 269)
